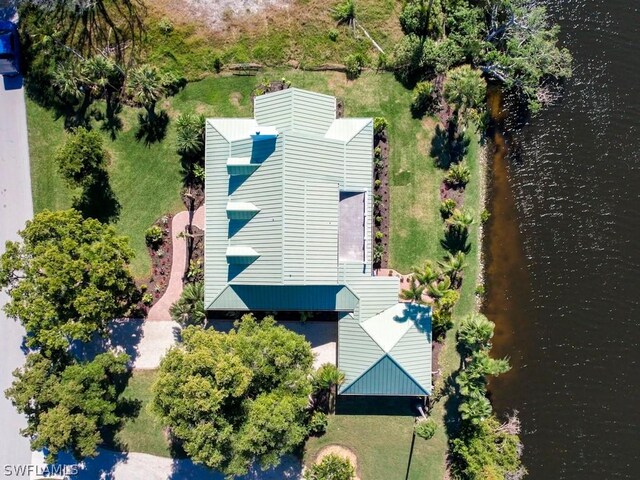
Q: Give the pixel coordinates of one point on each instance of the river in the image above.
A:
(563, 255)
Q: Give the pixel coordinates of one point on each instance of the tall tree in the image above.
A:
(67, 279)
(465, 89)
(82, 157)
(146, 86)
(233, 399)
(475, 332)
(69, 407)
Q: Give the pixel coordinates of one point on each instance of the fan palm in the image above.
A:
(189, 309)
(146, 86)
(414, 292)
(190, 134)
(475, 332)
(326, 381)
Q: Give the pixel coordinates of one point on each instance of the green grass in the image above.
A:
(146, 179)
(299, 33)
(145, 432)
(382, 442)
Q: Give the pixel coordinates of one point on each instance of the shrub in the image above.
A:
(377, 183)
(377, 152)
(190, 134)
(480, 290)
(380, 124)
(458, 174)
(345, 12)
(383, 61)
(165, 26)
(378, 252)
(447, 207)
(217, 64)
(377, 200)
(153, 236)
(426, 428)
(147, 298)
(318, 423)
(333, 34)
(378, 219)
(332, 467)
(485, 215)
(379, 235)
(354, 64)
(424, 99)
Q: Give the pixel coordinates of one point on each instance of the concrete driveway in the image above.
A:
(15, 209)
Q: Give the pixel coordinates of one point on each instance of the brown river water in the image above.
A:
(562, 253)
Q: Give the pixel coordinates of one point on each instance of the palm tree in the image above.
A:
(326, 381)
(475, 332)
(146, 86)
(453, 265)
(460, 220)
(475, 410)
(190, 134)
(414, 292)
(427, 275)
(465, 89)
(189, 309)
(438, 289)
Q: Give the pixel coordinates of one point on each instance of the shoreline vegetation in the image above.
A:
(430, 84)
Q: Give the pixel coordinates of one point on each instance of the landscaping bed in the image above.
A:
(161, 255)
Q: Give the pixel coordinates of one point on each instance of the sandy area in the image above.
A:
(216, 12)
(341, 452)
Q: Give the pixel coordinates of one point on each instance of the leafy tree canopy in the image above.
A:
(82, 157)
(66, 279)
(232, 399)
(68, 409)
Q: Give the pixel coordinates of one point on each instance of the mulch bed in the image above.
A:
(195, 252)
(382, 174)
(193, 197)
(161, 259)
(450, 192)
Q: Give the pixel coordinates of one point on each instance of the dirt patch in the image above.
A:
(341, 451)
(449, 192)
(217, 13)
(235, 98)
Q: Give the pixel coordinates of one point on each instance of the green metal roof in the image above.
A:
(282, 298)
(272, 235)
(385, 377)
(402, 333)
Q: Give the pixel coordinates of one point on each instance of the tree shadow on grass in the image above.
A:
(152, 128)
(456, 240)
(98, 200)
(448, 146)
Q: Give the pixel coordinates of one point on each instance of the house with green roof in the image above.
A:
(288, 228)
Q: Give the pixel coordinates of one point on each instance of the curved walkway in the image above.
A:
(159, 332)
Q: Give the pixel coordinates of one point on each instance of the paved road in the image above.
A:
(15, 208)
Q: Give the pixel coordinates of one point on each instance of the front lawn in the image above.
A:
(143, 433)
